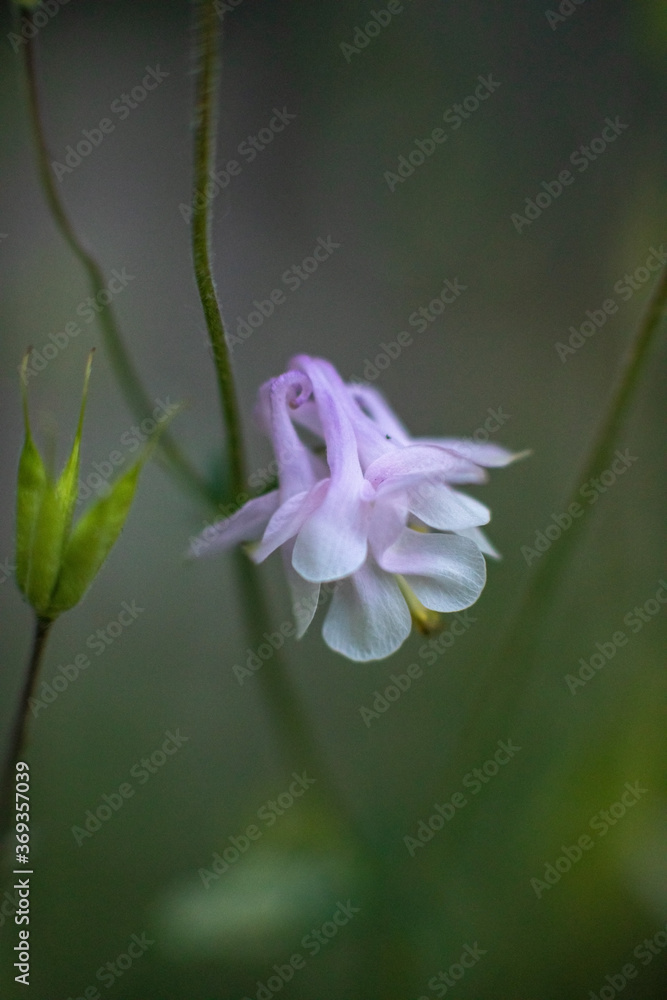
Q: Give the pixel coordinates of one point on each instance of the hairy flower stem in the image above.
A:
(204, 161)
(136, 396)
(18, 733)
(520, 645)
(294, 732)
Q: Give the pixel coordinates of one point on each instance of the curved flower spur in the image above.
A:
(366, 506)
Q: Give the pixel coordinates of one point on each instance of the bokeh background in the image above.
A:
(493, 347)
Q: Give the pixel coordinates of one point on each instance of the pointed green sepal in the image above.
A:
(44, 510)
(32, 485)
(68, 482)
(55, 563)
(91, 541)
(95, 534)
(45, 549)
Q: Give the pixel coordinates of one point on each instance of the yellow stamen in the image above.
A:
(426, 622)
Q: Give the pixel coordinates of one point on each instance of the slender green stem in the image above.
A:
(18, 732)
(522, 637)
(295, 732)
(204, 161)
(386, 944)
(137, 398)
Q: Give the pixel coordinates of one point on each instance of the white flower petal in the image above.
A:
(305, 594)
(446, 572)
(245, 525)
(333, 542)
(368, 618)
(441, 507)
(481, 541)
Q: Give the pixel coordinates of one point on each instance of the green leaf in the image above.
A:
(91, 541)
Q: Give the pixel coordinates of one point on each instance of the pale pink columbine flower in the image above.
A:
(366, 506)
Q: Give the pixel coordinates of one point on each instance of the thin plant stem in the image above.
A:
(204, 161)
(389, 953)
(295, 732)
(19, 728)
(136, 396)
(523, 634)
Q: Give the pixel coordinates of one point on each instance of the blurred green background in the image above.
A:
(493, 347)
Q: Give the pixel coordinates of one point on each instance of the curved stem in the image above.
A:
(137, 398)
(18, 732)
(522, 635)
(204, 160)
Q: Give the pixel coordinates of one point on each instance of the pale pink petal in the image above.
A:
(368, 618)
(375, 405)
(262, 408)
(286, 394)
(246, 525)
(386, 524)
(446, 572)
(482, 453)
(403, 466)
(288, 519)
(371, 440)
(341, 445)
(308, 417)
(332, 543)
(373, 436)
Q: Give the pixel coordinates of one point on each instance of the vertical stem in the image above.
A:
(295, 732)
(204, 160)
(18, 733)
(137, 398)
